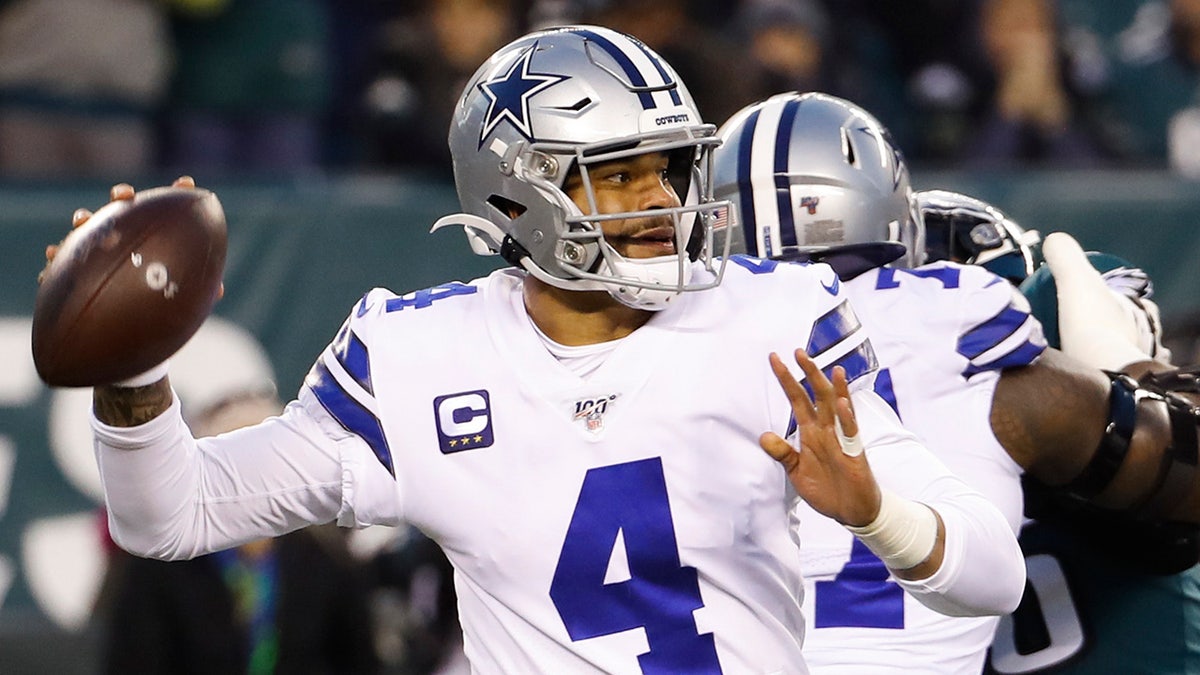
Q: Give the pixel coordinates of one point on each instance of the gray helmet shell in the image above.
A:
(558, 101)
(811, 176)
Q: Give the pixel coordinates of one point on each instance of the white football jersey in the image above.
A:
(628, 522)
(943, 332)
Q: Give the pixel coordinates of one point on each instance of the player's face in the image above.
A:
(637, 183)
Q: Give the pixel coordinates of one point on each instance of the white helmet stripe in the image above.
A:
(764, 187)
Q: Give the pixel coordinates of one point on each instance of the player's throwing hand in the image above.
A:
(828, 469)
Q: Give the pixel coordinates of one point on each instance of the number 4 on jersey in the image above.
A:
(630, 501)
(424, 298)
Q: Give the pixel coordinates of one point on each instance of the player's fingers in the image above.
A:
(121, 191)
(184, 181)
(802, 406)
(847, 423)
(221, 291)
(780, 450)
(51, 251)
(80, 217)
(845, 405)
(823, 391)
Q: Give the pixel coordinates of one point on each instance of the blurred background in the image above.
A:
(321, 124)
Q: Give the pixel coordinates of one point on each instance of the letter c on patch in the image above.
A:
(463, 414)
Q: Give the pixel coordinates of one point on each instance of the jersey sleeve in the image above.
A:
(339, 394)
(837, 337)
(171, 496)
(982, 570)
(997, 330)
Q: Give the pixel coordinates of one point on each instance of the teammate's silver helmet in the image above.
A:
(813, 176)
(964, 229)
(561, 101)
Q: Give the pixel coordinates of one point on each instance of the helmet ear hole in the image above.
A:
(509, 208)
(848, 148)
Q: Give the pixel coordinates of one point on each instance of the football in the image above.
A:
(129, 287)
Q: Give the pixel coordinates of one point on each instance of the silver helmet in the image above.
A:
(555, 103)
(964, 229)
(813, 176)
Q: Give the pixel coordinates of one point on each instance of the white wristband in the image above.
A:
(147, 378)
(902, 535)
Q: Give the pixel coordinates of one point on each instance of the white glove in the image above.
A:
(1097, 325)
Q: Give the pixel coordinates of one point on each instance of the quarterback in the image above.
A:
(608, 503)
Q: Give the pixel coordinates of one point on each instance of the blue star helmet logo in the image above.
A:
(509, 93)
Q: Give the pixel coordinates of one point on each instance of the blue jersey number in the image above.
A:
(629, 501)
(860, 595)
(425, 298)
(887, 276)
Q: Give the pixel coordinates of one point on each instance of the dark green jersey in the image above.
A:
(1083, 614)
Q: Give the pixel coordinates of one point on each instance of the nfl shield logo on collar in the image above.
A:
(591, 411)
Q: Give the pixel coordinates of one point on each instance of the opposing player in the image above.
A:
(1105, 593)
(606, 503)
(815, 178)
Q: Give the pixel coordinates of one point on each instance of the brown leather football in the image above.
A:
(129, 287)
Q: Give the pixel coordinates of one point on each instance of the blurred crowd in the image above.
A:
(124, 87)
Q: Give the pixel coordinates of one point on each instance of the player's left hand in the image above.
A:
(829, 469)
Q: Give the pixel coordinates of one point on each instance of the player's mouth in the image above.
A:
(650, 243)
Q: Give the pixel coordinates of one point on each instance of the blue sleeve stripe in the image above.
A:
(991, 333)
(351, 414)
(856, 363)
(351, 352)
(1022, 355)
(831, 329)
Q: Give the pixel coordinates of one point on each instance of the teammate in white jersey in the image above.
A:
(603, 495)
(814, 177)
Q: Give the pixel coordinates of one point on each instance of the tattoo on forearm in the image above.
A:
(129, 407)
